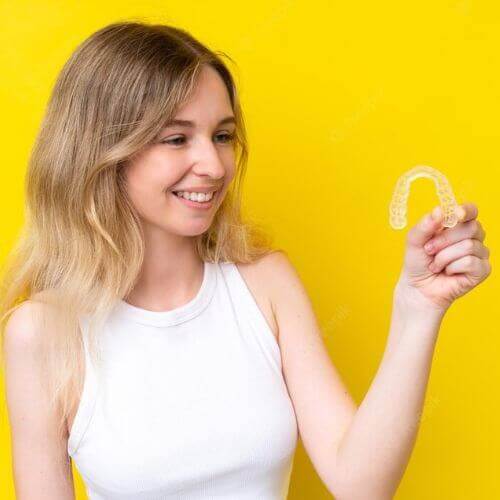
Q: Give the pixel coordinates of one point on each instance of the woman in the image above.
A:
(165, 346)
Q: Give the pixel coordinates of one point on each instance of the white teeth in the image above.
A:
(199, 197)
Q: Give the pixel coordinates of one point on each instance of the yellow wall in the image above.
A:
(340, 99)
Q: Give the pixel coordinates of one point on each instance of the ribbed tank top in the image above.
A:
(191, 403)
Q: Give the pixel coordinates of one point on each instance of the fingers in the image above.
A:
(463, 230)
(457, 251)
(429, 231)
(470, 265)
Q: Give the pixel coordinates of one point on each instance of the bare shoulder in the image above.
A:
(21, 327)
(22, 342)
(280, 265)
(261, 278)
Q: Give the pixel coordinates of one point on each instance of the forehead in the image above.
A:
(209, 99)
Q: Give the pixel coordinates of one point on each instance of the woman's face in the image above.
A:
(192, 157)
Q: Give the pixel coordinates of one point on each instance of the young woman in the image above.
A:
(155, 337)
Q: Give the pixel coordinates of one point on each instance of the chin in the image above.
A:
(191, 231)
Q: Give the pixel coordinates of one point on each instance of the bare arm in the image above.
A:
(375, 450)
(40, 463)
(362, 453)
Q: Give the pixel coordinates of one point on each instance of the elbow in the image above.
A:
(357, 486)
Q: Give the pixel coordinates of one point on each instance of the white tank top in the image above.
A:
(192, 403)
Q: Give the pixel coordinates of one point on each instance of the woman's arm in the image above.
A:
(40, 463)
(377, 446)
(361, 453)
(375, 450)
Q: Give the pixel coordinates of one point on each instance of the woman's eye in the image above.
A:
(226, 137)
(174, 141)
(179, 140)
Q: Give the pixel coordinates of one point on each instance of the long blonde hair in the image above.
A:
(81, 246)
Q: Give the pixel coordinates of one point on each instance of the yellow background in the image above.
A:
(340, 99)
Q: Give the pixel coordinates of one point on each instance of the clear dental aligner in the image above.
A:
(399, 202)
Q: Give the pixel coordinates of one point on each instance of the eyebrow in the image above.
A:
(188, 123)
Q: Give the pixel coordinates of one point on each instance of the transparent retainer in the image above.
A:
(399, 202)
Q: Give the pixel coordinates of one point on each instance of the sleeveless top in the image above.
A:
(191, 403)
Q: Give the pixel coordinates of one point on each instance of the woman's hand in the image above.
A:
(432, 278)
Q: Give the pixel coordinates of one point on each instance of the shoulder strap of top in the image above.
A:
(249, 307)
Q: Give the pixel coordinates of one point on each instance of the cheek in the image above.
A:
(141, 184)
(149, 179)
(147, 193)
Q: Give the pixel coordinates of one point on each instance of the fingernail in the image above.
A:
(461, 212)
(428, 247)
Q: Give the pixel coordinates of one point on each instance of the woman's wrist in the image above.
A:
(409, 307)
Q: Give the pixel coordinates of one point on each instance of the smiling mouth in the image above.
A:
(192, 203)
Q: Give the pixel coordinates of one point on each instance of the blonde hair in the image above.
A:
(81, 246)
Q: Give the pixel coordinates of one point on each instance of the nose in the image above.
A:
(210, 160)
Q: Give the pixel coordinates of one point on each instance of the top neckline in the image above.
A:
(180, 314)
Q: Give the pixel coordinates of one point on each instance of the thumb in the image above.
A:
(426, 228)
